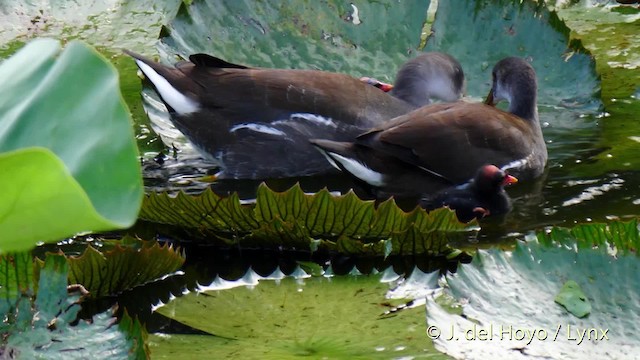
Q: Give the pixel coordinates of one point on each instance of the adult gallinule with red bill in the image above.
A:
(482, 196)
(257, 122)
(441, 145)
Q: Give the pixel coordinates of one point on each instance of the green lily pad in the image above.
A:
(187, 347)
(295, 219)
(509, 311)
(49, 102)
(283, 318)
(573, 299)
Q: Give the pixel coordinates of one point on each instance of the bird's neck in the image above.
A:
(524, 107)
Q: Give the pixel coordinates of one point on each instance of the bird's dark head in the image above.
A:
(514, 80)
(431, 75)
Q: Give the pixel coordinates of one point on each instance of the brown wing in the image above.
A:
(454, 140)
(253, 95)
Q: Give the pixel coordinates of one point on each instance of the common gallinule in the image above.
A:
(257, 122)
(440, 145)
(482, 196)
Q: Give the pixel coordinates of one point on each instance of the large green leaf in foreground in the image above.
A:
(318, 318)
(509, 309)
(41, 328)
(297, 220)
(66, 101)
(38, 192)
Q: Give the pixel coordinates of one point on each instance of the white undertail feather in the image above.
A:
(329, 158)
(178, 102)
(359, 170)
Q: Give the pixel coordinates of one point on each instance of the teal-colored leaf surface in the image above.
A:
(301, 34)
(52, 295)
(68, 101)
(509, 310)
(48, 334)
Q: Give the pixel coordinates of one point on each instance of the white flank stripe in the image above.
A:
(315, 119)
(360, 170)
(178, 102)
(258, 128)
(516, 164)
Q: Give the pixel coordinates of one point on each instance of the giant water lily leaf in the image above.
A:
(293, 219)
(111, 23)
(122, 267)
(49, 101)
(479, 33)
(358, 39)
(601, 182)
(509, 312)
(41, 328)
(610, 32)
(187, 347)
(338, 318)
